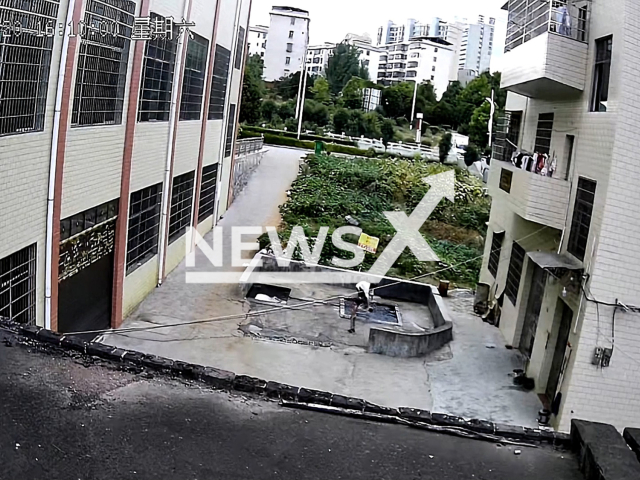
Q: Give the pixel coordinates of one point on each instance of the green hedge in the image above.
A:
(250, 131)
(272, 139)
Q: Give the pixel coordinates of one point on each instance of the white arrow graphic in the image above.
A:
(408, 228)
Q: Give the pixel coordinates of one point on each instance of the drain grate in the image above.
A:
(381, 312)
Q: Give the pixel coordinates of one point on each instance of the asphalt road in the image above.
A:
(64, 417)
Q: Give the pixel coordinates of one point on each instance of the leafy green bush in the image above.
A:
(345, 149)
(303, 136)
(331, 188)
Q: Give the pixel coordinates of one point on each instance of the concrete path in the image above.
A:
(465, 378)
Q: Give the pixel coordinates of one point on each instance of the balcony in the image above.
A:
(537, 198)
(546, 49)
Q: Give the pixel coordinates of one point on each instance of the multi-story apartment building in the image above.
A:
(476, 45)
(562, 252)
(401, 32)
(257, 40)
(421, 59)
(287, 42)
(472, 43)
(111, 145)
(318, 56)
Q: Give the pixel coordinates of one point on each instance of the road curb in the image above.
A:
(288, 394)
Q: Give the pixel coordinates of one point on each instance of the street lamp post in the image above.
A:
(302, 99)
(493, 111)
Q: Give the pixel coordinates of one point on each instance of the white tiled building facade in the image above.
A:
(420, 60)
(287, 42)
(257, 40)
(564, 248)
(96, 199)
(318, 55)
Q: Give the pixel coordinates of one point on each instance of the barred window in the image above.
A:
(219, 83)
(240, 48)
(181, 201)
(231, 130)
(193, 82)
(544, 133)
(144, 223)
(18, 286)
(102, 63)
(25, 60)
(208, 191)
(581, 220)
(157, 77)
(494, 254)
(514, 273)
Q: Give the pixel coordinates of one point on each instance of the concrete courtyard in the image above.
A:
(470, 377)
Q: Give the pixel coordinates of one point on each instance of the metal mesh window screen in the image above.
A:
(240, 48)
(157, 77)
(219, 83)
(544, 133)
(25, 60)
(82, 221)
(102, 63)
(208, 191)
(494, 255)
(231, 130)
(181, 201)
(18, 286)
(144, 223)
(194, 73)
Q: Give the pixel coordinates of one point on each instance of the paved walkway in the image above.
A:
(465, 378)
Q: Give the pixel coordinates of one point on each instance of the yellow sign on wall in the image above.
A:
(368, 244)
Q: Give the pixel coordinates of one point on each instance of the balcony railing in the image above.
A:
(531, 18)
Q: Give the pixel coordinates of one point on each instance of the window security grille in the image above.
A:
(208, 191)
(144, 223)
(157, 77)
(102, 63)
(18, 286)
(240, 48)
(25, 60)
(231, 130)
(193, 82)
(219, 83)
(181, 201)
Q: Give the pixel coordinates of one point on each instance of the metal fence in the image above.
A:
(249, 153)
(531, 18)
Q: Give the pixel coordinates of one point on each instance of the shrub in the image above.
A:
(287, 142)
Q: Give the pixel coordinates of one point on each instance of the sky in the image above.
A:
(331, 20)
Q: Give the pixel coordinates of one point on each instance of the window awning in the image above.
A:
(554, 260)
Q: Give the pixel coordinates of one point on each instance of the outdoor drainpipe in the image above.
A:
(166, 194)
(53, 160)
(227, 106)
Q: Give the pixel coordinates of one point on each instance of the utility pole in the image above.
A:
(413, 105)
(303, 70)
(493, 111)
(302, 99)
(419, 117)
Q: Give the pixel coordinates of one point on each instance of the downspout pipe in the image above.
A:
(53, 161)
(227, 107)
(173, 111)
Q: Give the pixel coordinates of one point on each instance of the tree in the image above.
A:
(321, 92)
(372, 125)
(397, 100)
(471, 155)
(445, 145)
(344, 63)
(287, 109)
(472, 97)
(340, 120)
(388, 130)
(252, 90)
(352, 94)
(479, 125)
(268, 110)
(315, 112)
(287, 87)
